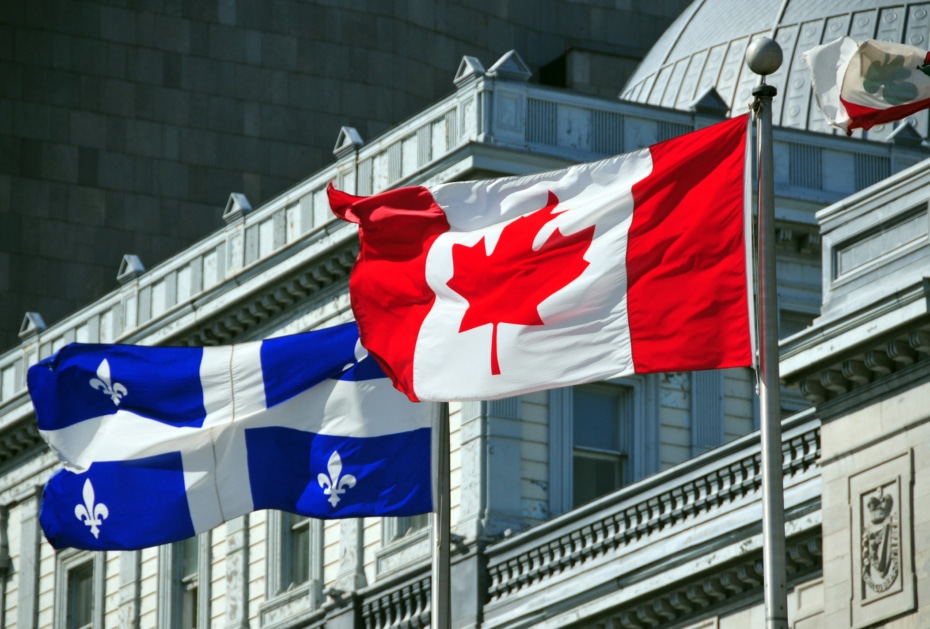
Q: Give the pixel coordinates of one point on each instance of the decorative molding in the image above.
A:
(18, 438)
(880, 562)
(589, 539)
(711, 589)
(348, 142)
(32, 325)
(510, 66)
(285, 608)
(470, 68)
(407, 606)
(130, 267)
(869, 364)
(274, 298)
(236, 207)
(882, 579)
(405, 603)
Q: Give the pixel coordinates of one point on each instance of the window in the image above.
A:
(296, 558)
(79, 590)
(791, 322)
(404, 540)
(601, 437)
(401, 527)
(295, 555)
(294, 577)
(601, 416)
(188, 582)
(81, 597)
(184, 581)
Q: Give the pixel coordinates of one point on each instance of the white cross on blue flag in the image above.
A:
(162, 443)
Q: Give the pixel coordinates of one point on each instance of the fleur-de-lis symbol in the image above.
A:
(91, 514)
(115, 390)
(335, 485)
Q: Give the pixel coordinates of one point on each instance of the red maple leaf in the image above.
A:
(508, 285)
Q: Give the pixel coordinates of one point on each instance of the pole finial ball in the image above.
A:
(763, 56)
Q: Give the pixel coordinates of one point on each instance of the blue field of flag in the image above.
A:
(163, 443)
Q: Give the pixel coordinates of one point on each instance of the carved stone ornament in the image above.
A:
(882, 579)
(881, 547)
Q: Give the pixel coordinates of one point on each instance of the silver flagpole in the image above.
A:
(440, 608)
(764, 57)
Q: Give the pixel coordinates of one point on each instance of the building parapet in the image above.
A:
(609, 559)
(875, 317)
(710, 503)
(529, 126)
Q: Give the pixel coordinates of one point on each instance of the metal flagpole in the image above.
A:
(764, 57)
(440, 608)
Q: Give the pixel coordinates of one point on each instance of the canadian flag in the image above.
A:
(488, 289)
(860, 84)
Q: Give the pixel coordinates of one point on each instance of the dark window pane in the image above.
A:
(595, 421)
(190, 559)
(81, 596)
(189, 607)
(790, 322)
(299, 549)
(411, 523)
(595, 475)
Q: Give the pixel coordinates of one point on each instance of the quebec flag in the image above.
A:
(162, 443)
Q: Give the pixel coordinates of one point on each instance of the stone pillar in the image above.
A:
(351, 575)
(129, 582)
(491, 498)
(28, 569)
(237, 573)
(490, 453)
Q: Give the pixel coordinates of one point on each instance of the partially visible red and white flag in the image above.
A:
(488, 289)
(860, 84)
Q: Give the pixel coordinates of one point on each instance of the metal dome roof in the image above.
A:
(705, 46)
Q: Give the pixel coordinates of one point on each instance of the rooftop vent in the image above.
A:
(347, 142)
(130, 268)
(511, 67)
(236, 207)
(32, 325)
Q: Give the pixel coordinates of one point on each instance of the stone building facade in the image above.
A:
(675, 542)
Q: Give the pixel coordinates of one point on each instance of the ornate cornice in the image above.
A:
(875, 362)
(841, 355)
(715, 588)
(19, 438)
(275, 297)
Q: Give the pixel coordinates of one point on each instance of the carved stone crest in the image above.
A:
(882, 578)
(881, 547)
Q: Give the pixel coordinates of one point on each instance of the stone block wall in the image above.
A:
(875, 514)
(124, 126)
